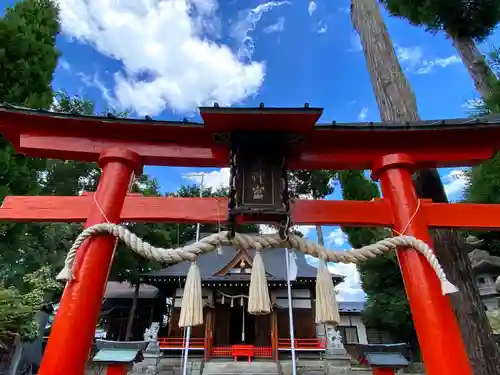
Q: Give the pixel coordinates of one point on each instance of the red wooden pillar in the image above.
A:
(207, 341)
(274, 334)
(116, 370)
(74, 327)
(383, 371)
(442, 346)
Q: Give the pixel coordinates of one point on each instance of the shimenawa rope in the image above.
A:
(258, 242)
(258, 301)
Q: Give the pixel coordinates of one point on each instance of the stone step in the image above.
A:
(240, 368)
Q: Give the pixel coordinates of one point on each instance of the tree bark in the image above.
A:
(475, 63)
(395, 99)
(130, 322)
(319, 232)
(397, 103)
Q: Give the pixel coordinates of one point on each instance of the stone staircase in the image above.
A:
(215, 367)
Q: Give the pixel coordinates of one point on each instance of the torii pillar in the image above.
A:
(437, 328)
(66, 352)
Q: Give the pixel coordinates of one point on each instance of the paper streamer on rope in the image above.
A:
(327, 310)
(259, 302)
(192, 299)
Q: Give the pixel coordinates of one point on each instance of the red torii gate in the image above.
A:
(122, 147)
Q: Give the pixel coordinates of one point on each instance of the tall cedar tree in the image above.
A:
(397, 104)
(465, 22)
(484, 180)
(491, 104)
(28, 57)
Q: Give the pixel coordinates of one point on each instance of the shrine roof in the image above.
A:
(351, 307)
(123, 290)
(211, 263)
(41, 133)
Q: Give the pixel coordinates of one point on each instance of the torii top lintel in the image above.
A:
(442, 143)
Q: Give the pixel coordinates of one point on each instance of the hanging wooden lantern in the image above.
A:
(259, 186)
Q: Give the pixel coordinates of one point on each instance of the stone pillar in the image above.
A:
(335, 353)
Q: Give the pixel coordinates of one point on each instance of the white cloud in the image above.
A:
(92, 80)
(455, 183)
(355, 42)
(169, 43)
(321, 27)
(305, 229)
(413, 60)
(213, 179)
(246, 24)
(266, 229)
(363, 114)
(412, 56)
(64, 64)
(473, 104)
(336, 237)
(311, 8)
(350, 289)
(429, 65)
(276, 27)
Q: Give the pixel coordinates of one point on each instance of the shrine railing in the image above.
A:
(227, 351)
(179, 343)
(302, 344)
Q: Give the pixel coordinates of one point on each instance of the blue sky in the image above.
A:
(165, 58)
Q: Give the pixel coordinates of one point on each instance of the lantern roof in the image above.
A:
(260, 119)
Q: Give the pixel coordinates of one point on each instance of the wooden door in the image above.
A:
(221, 325)
(262, 330)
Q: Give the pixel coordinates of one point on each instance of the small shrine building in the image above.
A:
(225, 278)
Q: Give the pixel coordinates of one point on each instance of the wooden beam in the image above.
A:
(341, 156)
(189, 210)
(212, 210)
(152, 153)
(463, 215)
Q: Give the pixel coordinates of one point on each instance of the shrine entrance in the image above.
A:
(236, 326)
(241, 326)
(122, 147)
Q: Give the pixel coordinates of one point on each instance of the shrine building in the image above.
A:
(225, 278)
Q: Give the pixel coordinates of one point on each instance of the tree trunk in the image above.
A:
(395, 99)
(319, 232)
(475, 63)
(131, 317)
(397, 103)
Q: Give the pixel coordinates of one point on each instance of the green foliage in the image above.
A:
(19, 306)
(28, 55)
(28, 58)
(386, 303)
(75, 105)
(316, 184)
(463, 19)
